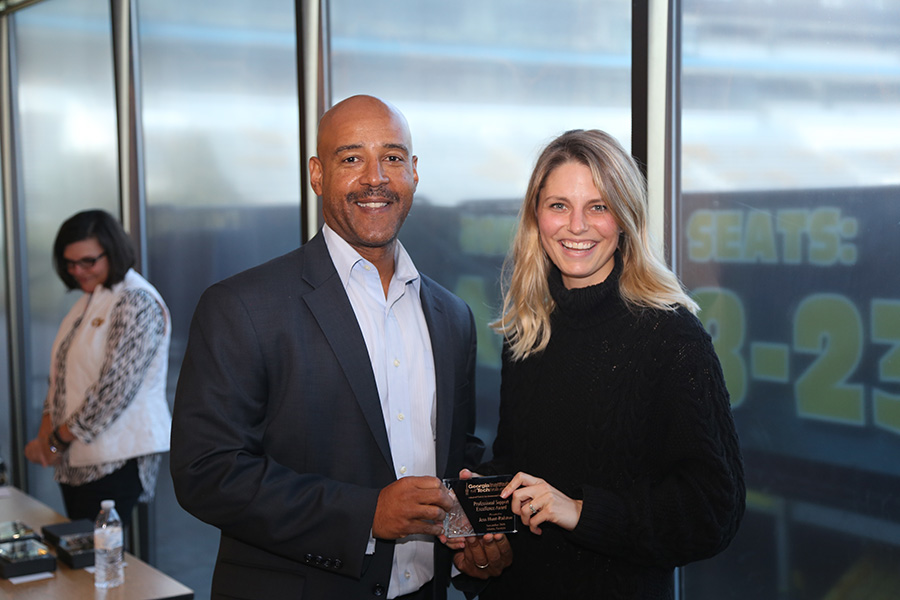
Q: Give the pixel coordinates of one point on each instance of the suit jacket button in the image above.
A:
(378, 590)
(326, 563)
(308, 558)
(319, 560)
(337, 563)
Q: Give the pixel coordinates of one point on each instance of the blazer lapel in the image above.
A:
(439, 331)
(331, 308)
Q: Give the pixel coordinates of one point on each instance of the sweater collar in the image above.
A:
(587, 304)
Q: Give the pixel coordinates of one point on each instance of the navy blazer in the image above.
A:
(278, 437)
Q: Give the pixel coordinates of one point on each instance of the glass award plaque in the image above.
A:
(13, 531)
(25, 557)
(478, 508)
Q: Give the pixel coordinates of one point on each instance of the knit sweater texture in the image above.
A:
(627, 410)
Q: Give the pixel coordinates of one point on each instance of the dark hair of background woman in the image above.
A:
(106, 229)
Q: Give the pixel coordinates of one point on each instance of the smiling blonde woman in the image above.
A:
(613, 413)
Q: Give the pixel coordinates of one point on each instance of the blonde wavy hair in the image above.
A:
(646, 281)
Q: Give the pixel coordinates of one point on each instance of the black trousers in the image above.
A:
(123, 486)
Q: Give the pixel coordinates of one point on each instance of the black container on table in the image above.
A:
(74, 542)
(25, 557)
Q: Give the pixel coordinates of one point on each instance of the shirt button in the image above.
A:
(367, 267)
(403, 470)
(407, 574)
(400, 416)
(396, 362)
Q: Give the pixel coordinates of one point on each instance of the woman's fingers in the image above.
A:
(542, 503)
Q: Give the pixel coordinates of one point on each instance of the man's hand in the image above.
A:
(411, 505)
(484, 556)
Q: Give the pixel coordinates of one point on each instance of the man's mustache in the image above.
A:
(380, 192)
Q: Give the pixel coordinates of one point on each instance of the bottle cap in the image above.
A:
(107, 504)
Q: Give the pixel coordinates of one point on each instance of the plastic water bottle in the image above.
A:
(109, 566)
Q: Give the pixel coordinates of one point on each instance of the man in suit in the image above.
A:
(325, 392)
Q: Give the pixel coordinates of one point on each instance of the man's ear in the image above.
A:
(315, 174)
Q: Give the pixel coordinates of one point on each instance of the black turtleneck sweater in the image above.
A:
(626, 409)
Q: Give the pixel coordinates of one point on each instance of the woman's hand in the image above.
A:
(38, 449)
(38, 452)
(536, 502)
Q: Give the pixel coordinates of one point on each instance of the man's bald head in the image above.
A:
(354, 109)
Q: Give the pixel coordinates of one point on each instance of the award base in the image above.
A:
(25, 557)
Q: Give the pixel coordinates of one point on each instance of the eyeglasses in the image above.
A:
(84, 263)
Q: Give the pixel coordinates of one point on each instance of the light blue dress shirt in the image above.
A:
(399, 347)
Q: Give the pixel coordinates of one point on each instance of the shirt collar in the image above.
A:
(345, 257)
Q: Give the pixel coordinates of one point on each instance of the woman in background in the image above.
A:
(106, 417)
(614, 412)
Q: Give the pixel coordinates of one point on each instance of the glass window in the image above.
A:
(484, 86)
(221, 136)
(793, 95)
(68, 161)
(787, 233)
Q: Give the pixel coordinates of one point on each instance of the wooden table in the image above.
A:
(142, 582)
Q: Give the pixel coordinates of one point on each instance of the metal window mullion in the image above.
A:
(313, 97)
(18, 314)
(132, 193)
(640, 59)
(8, 7)
(126, 62)
(663, 116)
(673, 127)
